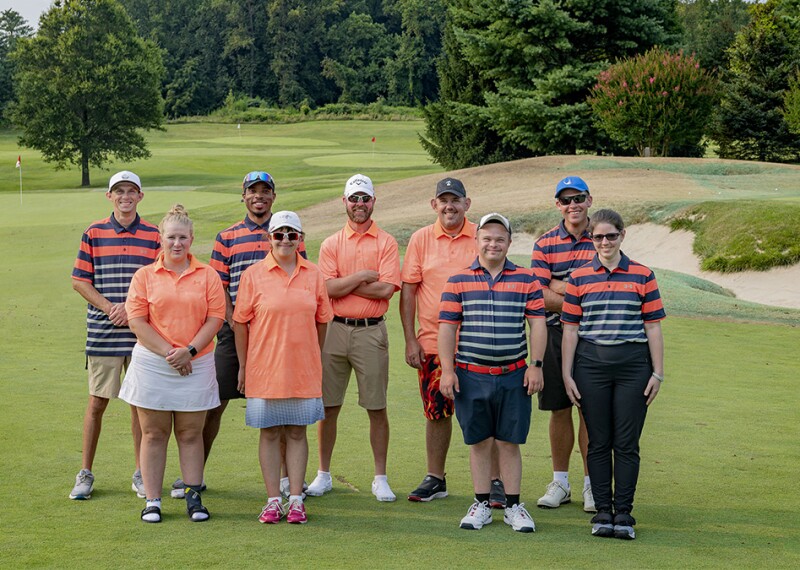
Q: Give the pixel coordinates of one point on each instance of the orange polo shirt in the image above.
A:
(283, 356)
(431, 258)
(347, 252)
(176, 306)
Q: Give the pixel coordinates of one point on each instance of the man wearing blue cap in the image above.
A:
(555, 255)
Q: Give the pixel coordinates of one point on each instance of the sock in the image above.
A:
(562, 477)
(325, 474)
(152, 517)
(381, 478)
(482, 497)
(270, 499)
(587, 482)
(284, 481)
(153, 503)
(511, 500)
(293, 498)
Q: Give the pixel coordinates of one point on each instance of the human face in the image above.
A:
(176, 240)
(125, 196)
(573, 213)
(451, 210)
(359, 212)
(493, 243)
(607, 250)
(285, 247)
(258, 200)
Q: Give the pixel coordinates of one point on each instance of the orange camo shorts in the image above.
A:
(434, 405)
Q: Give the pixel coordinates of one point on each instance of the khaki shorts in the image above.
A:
(105, 375)
(363, 349)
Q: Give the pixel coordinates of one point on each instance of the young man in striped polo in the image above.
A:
(555, 255)
(487, 307)
(111, 251)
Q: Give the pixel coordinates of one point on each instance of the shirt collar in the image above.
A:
(159, 263)
(119, 228)
(467, 229)
(272, 263)
(372, 230)
(254, 227)
(564, 234)
(507, 266)
(624, 263)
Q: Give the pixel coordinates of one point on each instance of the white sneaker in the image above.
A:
(284, 487)
(381, 489)
(321, 484)
(588, 500)
(555, 496)
(519, 518)
(478, 515)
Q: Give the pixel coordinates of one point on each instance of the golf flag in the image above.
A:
(19, 162)
(373, 139)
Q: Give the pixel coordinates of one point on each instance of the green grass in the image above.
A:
(743, 234)
(719, 452)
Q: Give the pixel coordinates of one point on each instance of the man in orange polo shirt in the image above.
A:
(434, 253)
(361, 266)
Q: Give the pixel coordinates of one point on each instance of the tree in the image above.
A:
(709, 28)
(749, 123)
(656, 100)
(791, 104)
(85, 85)
(12, 27)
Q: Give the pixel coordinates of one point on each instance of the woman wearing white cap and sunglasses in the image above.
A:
(281, 316)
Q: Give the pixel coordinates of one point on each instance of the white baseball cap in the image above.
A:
(494, 217)
(284, 219)
(124, 176)
(358, 183)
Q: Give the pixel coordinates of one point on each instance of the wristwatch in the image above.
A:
(192, 350)
(537, 363)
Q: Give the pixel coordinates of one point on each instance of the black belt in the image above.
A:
(358, 322)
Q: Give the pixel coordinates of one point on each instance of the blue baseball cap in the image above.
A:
(573, 182)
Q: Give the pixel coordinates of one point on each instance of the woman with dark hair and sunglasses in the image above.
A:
(613, 366)
(281, 317)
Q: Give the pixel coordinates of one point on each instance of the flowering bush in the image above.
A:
(656, 99)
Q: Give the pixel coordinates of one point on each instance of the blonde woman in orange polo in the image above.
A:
(175, 307)
(281, 315)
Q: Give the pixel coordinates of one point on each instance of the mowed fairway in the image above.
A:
(719, 452)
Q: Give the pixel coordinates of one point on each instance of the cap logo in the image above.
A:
(567, 182)
(449, 183)
(359, 181)
(125, 176)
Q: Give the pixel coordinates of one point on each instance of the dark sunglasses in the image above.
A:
(577, 198)
(598, 238)
(292, 236)
(258, 176)
(355, 198)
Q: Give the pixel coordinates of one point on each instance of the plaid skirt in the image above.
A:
(263, 413)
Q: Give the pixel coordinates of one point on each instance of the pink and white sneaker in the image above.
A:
(272, 513)
(297, 513)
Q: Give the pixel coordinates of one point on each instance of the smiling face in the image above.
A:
(493, 243)
(285, 247)
(359, 212)
(451, 210)
(176, 239)
(574, 214)
(125, 196)
(258, 200)
(607, 249)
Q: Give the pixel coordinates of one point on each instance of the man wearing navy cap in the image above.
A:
(555, 255)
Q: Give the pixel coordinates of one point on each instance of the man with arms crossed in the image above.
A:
(487, 305)
(434, 253)
(361, 266)
(110, 253)
(555, 255)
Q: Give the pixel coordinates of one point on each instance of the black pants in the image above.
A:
(612, 380)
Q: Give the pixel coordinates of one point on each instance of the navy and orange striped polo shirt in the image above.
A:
(108, 257)
(611, 307)
(239, 247)
(491, 313)
(556, 254)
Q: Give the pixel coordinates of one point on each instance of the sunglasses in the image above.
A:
(598, 238)
(258, 176)
(577, 198)
(291, 236)
(355, 198)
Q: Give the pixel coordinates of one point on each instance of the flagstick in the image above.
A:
(20, 184)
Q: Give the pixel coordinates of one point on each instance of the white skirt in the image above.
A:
(152, 383)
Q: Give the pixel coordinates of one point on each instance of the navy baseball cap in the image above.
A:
(451, 186)
(574, 182)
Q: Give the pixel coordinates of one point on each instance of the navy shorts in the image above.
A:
(553, 396)
(227, 364)
(493, 406)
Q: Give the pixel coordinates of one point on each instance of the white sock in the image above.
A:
(153, 503)
(270, 499)
(562, 477)
(587, 482)
(293, 498)
(152, 517)
(381, 478)
(284, 480)
(324, 474)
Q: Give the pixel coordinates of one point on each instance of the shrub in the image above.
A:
(656, 99)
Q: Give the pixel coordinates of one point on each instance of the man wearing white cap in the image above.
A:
(361, 266)
(111, 251)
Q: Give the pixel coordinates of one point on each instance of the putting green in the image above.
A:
(368, 159)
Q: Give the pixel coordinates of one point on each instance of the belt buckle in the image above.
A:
(500, 370)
